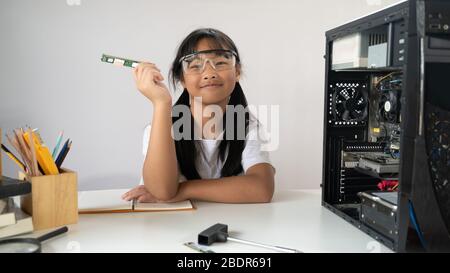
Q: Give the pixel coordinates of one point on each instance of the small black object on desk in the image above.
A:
(219, 233)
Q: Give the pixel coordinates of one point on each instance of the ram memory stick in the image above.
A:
(119, 61)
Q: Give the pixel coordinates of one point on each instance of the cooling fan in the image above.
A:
(389, 106)
(349, 102)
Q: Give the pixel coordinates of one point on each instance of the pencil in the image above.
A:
(17, 148)
(58, 143)
(33, 152)
(13, 157)
(62, 155)
(18, 139)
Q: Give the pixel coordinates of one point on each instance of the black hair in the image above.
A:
(185, 148)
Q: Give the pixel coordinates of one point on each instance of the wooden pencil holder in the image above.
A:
(53, 201)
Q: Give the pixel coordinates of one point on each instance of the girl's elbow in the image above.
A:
(164, 196)
(267, 194)
(160, 192)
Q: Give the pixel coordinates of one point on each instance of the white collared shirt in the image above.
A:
(208, 162)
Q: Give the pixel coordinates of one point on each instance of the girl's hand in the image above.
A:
(141, 194)
(149, 81)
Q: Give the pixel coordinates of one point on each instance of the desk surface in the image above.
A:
(294, 219)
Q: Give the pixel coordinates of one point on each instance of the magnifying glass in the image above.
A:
(28, 245)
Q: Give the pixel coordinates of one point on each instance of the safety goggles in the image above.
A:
(219, 59)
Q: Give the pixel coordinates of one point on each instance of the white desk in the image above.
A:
(294, 219)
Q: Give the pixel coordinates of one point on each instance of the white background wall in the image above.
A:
(51, 76)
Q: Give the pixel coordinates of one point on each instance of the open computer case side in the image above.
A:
(424, 200)
(334, 137)
(422, 212)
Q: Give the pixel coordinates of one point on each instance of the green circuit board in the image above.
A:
(119, 61)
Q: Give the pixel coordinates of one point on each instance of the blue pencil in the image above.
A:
(62, 155)
(58, 143)
(63, 150)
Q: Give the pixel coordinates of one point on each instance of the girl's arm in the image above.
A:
(160, 170)
(256, 186)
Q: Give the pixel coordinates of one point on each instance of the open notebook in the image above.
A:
(110, 201)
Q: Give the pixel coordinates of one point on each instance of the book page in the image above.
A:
(183, 205)
(111, 201)
(102, 200)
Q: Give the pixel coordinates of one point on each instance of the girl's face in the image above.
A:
(214, 87)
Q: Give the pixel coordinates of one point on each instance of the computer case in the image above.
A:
(387, 126)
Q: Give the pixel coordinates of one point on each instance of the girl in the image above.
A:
(213, 168)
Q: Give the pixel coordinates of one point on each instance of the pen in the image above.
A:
(133, 203)
(58, 143)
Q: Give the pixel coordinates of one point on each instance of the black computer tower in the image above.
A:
(386, 157)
